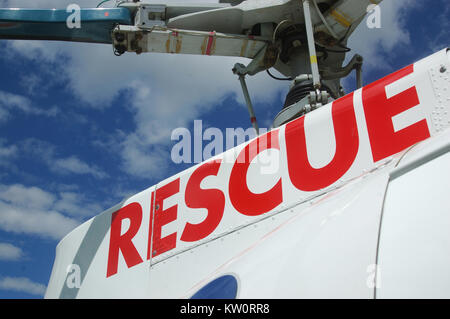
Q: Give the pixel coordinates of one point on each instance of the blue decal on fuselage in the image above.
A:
(224, 287)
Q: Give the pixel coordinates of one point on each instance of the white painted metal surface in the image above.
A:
(304, 224)
(414, 256)
(324, 249)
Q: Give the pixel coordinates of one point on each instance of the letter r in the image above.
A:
(124, 243)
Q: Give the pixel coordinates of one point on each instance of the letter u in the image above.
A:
(302, 174)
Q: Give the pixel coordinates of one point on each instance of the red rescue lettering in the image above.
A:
(123, 243)
(243, 200)
(211, 199)
(162, 217)
(379, 111)
(302, 174)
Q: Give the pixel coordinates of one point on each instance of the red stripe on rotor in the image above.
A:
(8, 24)
(210, 43)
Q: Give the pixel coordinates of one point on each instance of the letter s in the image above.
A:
(211, 199)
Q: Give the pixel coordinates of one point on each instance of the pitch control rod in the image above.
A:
(249, 103)
(311, 44)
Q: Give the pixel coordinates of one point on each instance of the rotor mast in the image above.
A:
(305, 40)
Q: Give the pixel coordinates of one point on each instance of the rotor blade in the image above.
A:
(86, 25)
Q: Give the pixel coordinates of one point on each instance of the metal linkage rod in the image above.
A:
(359, 77)
(249, 103)
(311, 44)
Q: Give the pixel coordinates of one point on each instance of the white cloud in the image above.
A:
(76, 166)
(22, 284)
(7, 152)
(49, 224)
(76, 204)
(440, 39)
(27, 197)
(7, 155)
(378, 43)
(165, 91)
(59, 164)
(33, 211)
(380, 46)
(141, 159)
(9, 103)
(10, 252)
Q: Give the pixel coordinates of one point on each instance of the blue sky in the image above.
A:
(80, 128)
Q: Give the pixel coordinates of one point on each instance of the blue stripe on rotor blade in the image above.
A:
(51, 24)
